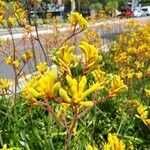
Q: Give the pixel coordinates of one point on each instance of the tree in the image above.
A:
(145, 2)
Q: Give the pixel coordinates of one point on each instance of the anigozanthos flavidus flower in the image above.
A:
(76, 93)
(147, 92)
(5, 84)
(42, 67)
(100, 77)
(114, 143)
(91, 56)
(143, 114)
(26, 55)
(66, 59)
(77, 19)
(117, 85)
(42, 86)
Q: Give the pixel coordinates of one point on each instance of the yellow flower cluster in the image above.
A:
(101, 15)
(18, 14)
(132, 52)
(76, 93)
(133, 24)
(42, 86)
(143, 115)
(114, 143)
(142, 112)
(26, 55)
(117, 85)
(46, 86)
(2, 4)
(2, 12)
(9, 60)
(5, 85)
(77, 89)
(42, 67)
(66, 59)
(100, 77)
(11, 22)
(147, 92)
(16, 63)
(5, 148)
(76, 19)
(91, 56)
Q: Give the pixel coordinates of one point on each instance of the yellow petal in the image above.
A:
(82, 85)
(91, 89)
(33, 92)
(87, 104)
(55, 89)
(69, 80)
(64, 95)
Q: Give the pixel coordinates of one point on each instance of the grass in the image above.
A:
(27, 127)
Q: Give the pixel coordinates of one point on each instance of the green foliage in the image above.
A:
(31, 128)
(111, 6)
(96, 6)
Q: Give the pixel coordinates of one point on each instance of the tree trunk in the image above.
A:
(73, 6)
(28, 14)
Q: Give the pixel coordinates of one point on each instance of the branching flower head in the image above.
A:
(132, 52)
(117, 85)
(142, 110)
(2, 20)
(8, 60)
(19, 13)
(147, 92)
(76, 19)
(66, 59)
(91, 55)
(5, 84)
(42, 86)
(114, 143)
(143, 114)
(77, 92)
(2, 7)
(2, 12)
(16, 63)
(100, 77)
(26, 56)
(11, 22)
(42, 67)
